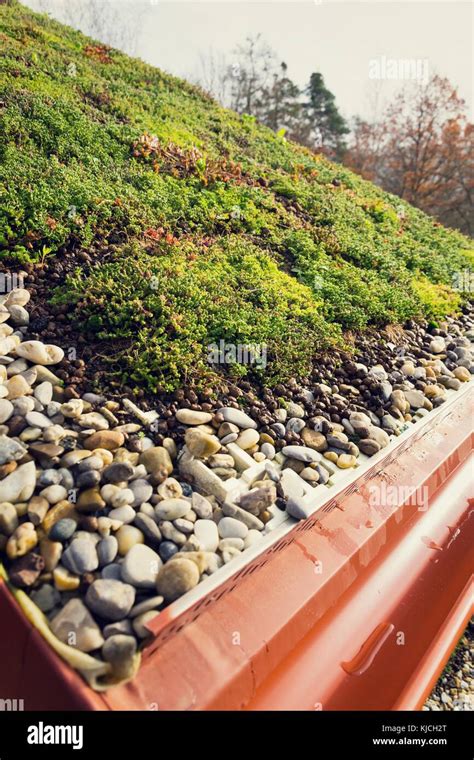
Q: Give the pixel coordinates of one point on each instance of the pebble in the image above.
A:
(268, 450)
(122, 627)
(80, 557)
(140, 622)
(201, 445)
(171, 509)
(17, 386)
(110, 599)
(17, 296)
(112, 572)
(229, 527)
(72, 409)
(44, 392)
(314, 440)
(37, 419)
(104, 439)
(142, 491)
(148, 526)
(120, 651)
(379, 435)
(237, 417)
(249, 520)
(257, 500)
(90, 501)
(201, 506)
(39, 353)
(462, 374)
(297, 508)
(62, 530)
(157, 460)
(437, 345)
(64, 580)
(75, 626)
(125, 514)
(127, 537)
(8, 519)
(10, 450)
(295, 425)
(190, 417)
(19, 485)
(301, 453)
(117, 472)
(345, 461)
(177, 577)
(107, 550)
(252, 537)
(6, 410)
(207, 534)
(169, 489)
(369, 447)
(231, 438)
(51, 552)
(141, 567)
(295, 410)
(416, 399)
(167, 549)
(23, 540)
(248, 438)
(149, 604)
(53, 494)
(46, 598)
(171, 533)
(25, 570)
(310, 475)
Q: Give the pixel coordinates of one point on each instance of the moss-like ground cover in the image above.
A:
(219, 229)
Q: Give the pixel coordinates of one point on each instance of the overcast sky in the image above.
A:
(339, 38)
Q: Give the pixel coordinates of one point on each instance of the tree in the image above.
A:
(249, 74)
(255, 83)
(422, 150)
(323, 126)
(278, 104)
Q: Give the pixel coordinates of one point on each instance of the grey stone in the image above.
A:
(110, 599)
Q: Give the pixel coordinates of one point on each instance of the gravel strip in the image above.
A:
(455, 688)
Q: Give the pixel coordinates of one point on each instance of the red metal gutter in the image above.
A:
(358, 607)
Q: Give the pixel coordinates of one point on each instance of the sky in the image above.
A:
(355, 44)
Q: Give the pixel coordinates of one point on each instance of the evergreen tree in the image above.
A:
(324, 127)
(279, 106)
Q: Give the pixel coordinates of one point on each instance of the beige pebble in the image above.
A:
(8, 518)
(64, 580)
(22, 541)
(37, 509)
(247, 439)
(51, 552)
(346, 460)
(128, 536)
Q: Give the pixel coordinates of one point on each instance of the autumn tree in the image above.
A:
(422, 150)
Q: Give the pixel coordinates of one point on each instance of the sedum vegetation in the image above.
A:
(202, 224)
